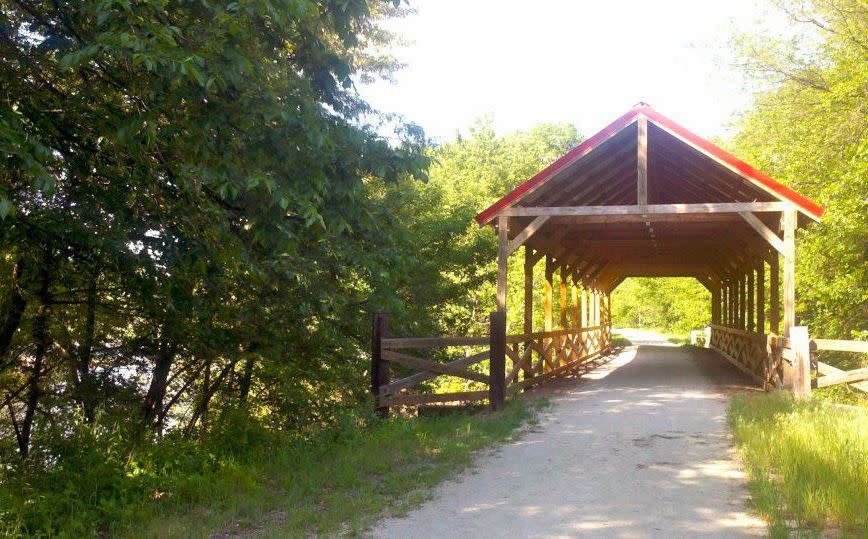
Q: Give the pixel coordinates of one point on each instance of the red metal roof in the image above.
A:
(708, 148)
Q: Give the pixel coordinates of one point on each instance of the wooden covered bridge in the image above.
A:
(643, 197)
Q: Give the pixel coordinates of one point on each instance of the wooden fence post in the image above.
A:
(379, 367)
(800, 344)
(497, 360)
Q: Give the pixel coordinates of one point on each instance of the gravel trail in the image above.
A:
(637, 448)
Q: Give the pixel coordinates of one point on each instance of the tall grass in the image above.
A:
(248, 480)
(807, 462)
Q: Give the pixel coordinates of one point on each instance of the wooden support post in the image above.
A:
(737, 298)
(547, 294)
(528, 306)
(642, 161)
(715, 305)
(751, 316)
(574, 299)
(774, 296)
(502, 257)
(800, 344)
(790, 222)
(379, 367)
(547, 303)
(601, 307)
(732, 320)
(562, 299)
(528, 290)
(740, 313)
(584, 308)
(497, 360)
(761, 296)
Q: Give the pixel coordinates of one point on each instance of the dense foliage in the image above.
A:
(199, 216)
(808, 128)
(673, 305)
(189, 228)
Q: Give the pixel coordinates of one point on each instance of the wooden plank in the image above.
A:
(739, 366)
(856, 375)
(524, 337)
(642, 161)
(829, 370)
(774, 298)
(497, 365)
(800, 343)
(559, 370)
(751, 288)
(528, 290)
(502, 258)
(420, 377)
(841, 345)
(761, 296)
(433, 342)
(759, 337)
(414, 400)
(433, 366)
(764, 231)
(650, 209)
(790, 223)
(548, 298)
(379, 369)
(525, 234)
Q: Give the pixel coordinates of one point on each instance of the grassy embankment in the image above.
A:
(342, 485)
(807, 462)
(251, 480)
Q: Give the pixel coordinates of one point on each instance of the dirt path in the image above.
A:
(640, 450)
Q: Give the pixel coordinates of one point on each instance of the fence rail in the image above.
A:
(539, 357)
(747, 351)
(788, 361)
(827, 375)
(533, 358)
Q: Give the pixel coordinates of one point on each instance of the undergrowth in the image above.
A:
(807, 462)
(246, 478)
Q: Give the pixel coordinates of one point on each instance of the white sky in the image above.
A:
(528, 62)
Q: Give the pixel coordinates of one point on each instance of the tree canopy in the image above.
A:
(199, 214)
(807, 127)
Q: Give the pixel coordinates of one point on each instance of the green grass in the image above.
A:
(339, 486)
(807, 462)
(620, 340)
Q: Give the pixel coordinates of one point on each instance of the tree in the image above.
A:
(181, 181)
(807, 127)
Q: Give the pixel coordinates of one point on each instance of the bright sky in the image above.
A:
(528, 62)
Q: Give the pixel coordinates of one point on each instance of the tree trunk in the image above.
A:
(85, 387)
(41, 340)
(246, 379)
(12, 310)
(157, 389)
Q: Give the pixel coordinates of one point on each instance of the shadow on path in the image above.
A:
(637, 448)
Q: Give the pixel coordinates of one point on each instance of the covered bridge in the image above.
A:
(643, 197)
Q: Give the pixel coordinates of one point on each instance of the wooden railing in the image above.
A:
(747, 351)
(802, 349)
(387, 351)
(533, 358)
(775, 361)
(538, 357)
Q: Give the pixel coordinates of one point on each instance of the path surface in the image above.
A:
(639, 450)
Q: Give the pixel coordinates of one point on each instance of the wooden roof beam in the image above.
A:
(646, 209)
